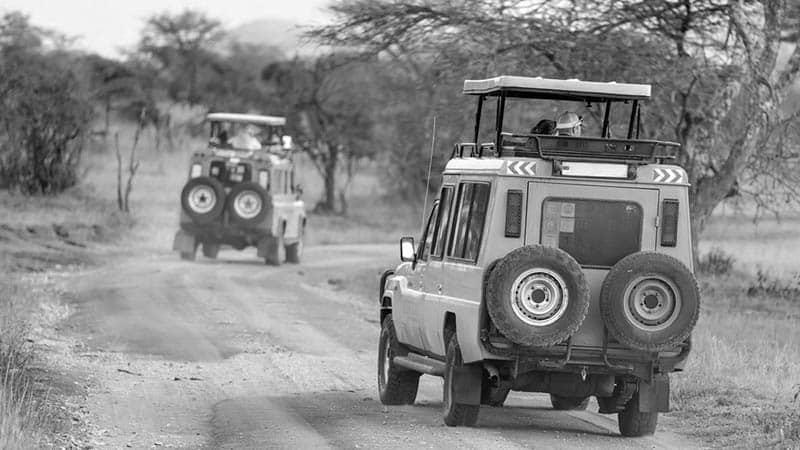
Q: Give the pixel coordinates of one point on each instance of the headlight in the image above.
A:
(197, 170)
(263, 178)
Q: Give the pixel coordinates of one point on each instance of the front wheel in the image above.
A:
(455, 414)
(634, 423)
(396, 385)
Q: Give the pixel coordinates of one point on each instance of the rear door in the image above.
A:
(598, 226)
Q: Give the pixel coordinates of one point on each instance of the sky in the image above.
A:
(106, 26)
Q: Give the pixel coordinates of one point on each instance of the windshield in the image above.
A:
(244, 136)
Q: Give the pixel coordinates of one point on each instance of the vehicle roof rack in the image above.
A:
(631, 151)
(551, 89)
(274, 121)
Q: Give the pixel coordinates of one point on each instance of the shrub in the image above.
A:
(766, 284)
(44, 113)
(716, 262)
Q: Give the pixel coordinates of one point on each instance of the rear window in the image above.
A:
(595, 232)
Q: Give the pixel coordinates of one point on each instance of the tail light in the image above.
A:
(513, 213)
(669, 223)
(197, 170)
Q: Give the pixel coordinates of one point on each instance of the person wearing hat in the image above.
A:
(568, 124)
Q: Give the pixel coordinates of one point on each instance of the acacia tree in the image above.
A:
(180, 46)
(720, 86)
(324, 99)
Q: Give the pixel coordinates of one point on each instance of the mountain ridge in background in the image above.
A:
(283, 34)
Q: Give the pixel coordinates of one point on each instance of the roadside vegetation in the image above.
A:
(363, 117)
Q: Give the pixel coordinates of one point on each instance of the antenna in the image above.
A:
(428, 180)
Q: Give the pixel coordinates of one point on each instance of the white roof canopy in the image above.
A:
(573, 89)
(247, 118)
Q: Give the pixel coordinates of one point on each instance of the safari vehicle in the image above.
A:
(241, 192)
(554, 264)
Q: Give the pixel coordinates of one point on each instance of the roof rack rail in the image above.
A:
(631, 151)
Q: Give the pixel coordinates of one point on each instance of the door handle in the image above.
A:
(439, 288)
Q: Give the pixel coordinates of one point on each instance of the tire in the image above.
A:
(455, 414)
(248, 204)
(537, 296)
(294, 251)
(494, 396)
(190, 255)
(276, 252)
(569, 403)
(203, 199)
(396, 385)
(210, 249)
(650, 301)
(634, 423)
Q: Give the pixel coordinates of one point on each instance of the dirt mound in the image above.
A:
(36, 248)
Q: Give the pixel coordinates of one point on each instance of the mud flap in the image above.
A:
(467, 385)
(183, 242)
(654, 396)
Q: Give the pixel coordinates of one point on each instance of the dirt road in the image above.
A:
(234, 354)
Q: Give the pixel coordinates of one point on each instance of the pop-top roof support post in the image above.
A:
(605, 132)
(478, 118)
(498, 128)
(632, 123)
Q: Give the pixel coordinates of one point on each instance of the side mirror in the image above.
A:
(407, 251)
(287, 142)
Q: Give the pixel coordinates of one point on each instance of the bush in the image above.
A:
(716, 262)
(766, 284)
(44, 114)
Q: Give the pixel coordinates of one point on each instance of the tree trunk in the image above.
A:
(328, 203)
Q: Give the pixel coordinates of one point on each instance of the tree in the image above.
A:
(180, 46)
(324, 101)
(720, 88)
(44, 112)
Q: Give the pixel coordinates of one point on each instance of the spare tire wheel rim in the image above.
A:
(247, 204)
(202, 199)
(539, 297)
(652, 303)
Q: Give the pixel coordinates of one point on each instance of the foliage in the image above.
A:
(716, 262)
(720, 88)
(767, 284)
(329, 105)
(43, 112)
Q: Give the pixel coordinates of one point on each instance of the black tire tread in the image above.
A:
(402, 384)
(460, 414)
(633, 423)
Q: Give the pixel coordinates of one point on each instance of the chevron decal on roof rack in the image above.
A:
(524, 168)
(669, 176)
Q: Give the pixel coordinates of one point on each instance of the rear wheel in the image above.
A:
(210, 249)
(634, 423)
(455, 414)
(396, 385)
(569, 403)
(294, 251)
(276, 253)
(189, 255)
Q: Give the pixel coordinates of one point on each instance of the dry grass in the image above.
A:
(741, 383)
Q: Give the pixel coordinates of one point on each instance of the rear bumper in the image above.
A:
(610, 359)
(226, 232)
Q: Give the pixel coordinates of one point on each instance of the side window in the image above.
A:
(473, 199)
(446, 200)
(427, 238)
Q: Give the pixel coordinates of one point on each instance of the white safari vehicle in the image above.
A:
(558, 263)
(241, 192)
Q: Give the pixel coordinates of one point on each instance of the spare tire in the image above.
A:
(248, 204)
(537, 296)
(203, 199)
(650, 301)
